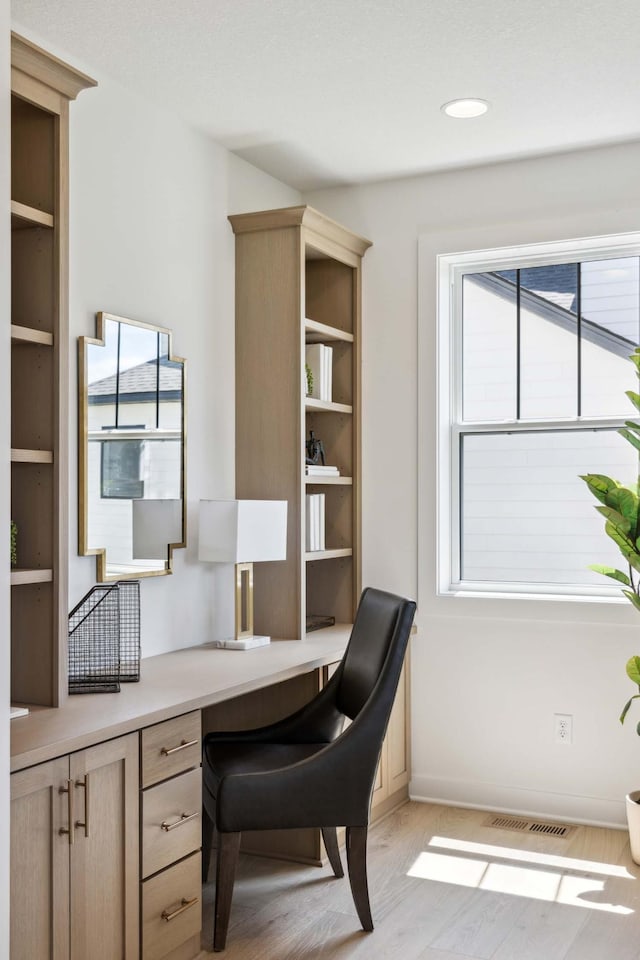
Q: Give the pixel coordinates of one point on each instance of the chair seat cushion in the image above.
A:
(225, 758)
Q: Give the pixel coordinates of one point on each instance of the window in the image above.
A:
(534, 365)
(121, 469)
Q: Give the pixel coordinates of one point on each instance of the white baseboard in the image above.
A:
(498, 798)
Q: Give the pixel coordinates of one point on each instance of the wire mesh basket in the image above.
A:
(129, 594)
(104, 638)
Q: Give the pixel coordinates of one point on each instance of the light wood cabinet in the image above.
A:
(42, 87)
(171, 838)
(298, 282)
(394, 770)
(74, 856)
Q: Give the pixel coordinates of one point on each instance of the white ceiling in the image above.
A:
(344, 91)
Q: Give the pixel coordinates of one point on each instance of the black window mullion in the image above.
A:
(518, 344)
(118, 380)
(579, 337)
(158, 380)
(460, 506)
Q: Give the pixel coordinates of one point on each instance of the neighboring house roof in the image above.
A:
(139, 384)
(554, 305)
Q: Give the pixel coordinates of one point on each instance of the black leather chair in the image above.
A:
(303, 771)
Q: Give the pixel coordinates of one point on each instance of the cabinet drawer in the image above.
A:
(171, 908)
(171, 822)
(170, 747)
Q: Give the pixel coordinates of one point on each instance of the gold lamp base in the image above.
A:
(244, 638)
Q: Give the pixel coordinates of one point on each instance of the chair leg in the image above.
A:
(228, 850)
(207, 843)
(357, 865)
(330, 838)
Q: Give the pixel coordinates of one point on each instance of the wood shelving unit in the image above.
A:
(297, 282)
(42, 87)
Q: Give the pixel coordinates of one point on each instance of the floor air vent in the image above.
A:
(529, 826)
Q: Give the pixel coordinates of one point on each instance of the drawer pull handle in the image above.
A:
(84, 785)
(69, 791)
(184, 818)
(167, 751)
(184, 905)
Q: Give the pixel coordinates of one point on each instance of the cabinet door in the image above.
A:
(104, 857)
(398, 745)
(394, 767)
(39, 893)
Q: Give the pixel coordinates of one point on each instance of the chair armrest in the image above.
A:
(318, 721)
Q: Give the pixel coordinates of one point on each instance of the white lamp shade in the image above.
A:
(242, 531)
(156, 524)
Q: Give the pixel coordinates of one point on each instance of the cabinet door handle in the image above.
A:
(184, 905)
(84, 784)
(184, 818)
(167, 751)
(69, 791)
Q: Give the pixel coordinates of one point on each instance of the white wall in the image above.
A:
(488, 674)
(149, 239)
(5, 442)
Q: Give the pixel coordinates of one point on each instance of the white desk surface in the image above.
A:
(170, 684)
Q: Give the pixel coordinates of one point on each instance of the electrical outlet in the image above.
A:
(563, 727)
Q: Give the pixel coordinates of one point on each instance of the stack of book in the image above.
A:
(320, 359)
(318, 470)
(315, 522)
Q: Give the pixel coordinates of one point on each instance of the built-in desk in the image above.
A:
(99, 784)
(171, 684)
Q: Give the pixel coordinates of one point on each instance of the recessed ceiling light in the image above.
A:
(465, 109)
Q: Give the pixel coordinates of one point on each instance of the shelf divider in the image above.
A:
(30, 335)
(31, 456)
(344, 481)
(327, 406)
(22, 575)
(328, 554)
(316, 332)
(23, 215)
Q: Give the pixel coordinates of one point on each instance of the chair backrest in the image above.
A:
(380, 631)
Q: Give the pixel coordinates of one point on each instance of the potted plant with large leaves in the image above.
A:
(620, 507)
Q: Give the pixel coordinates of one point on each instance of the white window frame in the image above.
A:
(450, 270)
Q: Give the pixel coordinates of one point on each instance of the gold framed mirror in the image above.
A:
(131, 456)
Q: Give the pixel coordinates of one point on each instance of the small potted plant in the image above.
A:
(620, 507)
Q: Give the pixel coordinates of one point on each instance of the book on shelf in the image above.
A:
(314, 522)
(319, 621)
(318, 470)
(319, 357)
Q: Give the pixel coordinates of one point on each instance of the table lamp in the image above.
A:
(243, 532)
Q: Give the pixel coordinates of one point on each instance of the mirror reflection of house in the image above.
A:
(134, 438)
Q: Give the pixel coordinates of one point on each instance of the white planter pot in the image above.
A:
(633, 821)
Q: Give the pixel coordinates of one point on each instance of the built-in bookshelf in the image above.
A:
(42, 87)
(298, 281)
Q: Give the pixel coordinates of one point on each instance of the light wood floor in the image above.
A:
(445, 887)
